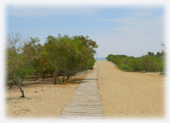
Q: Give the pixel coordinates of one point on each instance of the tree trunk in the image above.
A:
(55, 77)
(63, 76)
(19, 86)
(68, 75)
(58, 77)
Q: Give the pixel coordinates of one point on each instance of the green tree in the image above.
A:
(16, 64)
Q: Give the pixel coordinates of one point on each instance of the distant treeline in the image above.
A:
(148, 63)
(60, 55)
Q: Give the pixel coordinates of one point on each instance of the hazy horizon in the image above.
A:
(132, 31)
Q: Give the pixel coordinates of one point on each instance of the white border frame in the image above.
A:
(4, 3)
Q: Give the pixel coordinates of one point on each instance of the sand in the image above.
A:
(43, 99)
(130, 94)
(123, 94)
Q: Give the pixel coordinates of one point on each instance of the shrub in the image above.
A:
(147, 63)
(125, 67)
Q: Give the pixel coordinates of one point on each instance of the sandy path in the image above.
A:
(43, 99)
(86, 102)
(127, 94)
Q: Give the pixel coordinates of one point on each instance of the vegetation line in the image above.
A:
(59, 56)
(148, 63)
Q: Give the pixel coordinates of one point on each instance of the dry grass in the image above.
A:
(130, 94)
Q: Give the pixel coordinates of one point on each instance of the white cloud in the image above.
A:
(44, 11)
(134, 35)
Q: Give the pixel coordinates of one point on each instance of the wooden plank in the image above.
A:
(86, 101)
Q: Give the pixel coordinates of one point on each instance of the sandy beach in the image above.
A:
(43, 98)
(123, 94)
(130, 94)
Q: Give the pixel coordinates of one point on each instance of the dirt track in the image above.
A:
(131, 94)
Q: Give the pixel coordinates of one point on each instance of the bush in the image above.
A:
(147, 63)
(125, 67)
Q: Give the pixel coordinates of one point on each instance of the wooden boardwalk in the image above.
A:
(86, 102)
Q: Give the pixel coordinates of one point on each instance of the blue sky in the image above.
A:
(125, 30)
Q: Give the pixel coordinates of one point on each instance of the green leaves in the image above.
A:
(69, 53)
(61, 53)
(147, 63)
